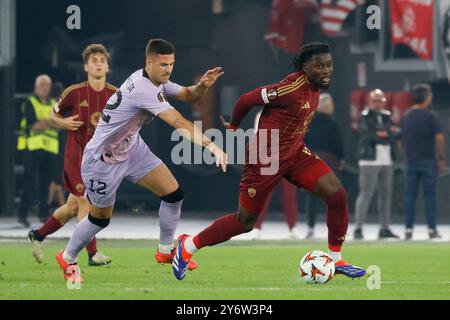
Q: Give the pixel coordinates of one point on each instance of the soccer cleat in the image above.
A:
(98, 259)
(168, 258)
(71, 271)
(37, 247)
(342, 267)
(181, 258)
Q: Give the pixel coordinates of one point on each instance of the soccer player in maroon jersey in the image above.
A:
(85, 102)
(288, 107)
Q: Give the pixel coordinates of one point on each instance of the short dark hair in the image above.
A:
(307, 51)
(420, 92)
(93, 49)
(159, 46)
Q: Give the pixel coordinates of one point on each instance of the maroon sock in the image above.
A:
(337, 219)
(220, 231)
(49, 227)
(289, 199)
(263, 214)
(92, 247)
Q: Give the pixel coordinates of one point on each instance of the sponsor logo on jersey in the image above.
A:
(161, 97)
(272, 94)
(306, 106)
(84, 103)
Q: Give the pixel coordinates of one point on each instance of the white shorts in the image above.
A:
(102, 180)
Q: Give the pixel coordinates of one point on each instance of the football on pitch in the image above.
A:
(316, 267)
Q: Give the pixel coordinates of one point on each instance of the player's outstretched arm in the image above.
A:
(187, 129)
(244, 104)
(68, 123)
(193, 93)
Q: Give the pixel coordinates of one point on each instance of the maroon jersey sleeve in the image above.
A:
(65, 101)
(278, 94)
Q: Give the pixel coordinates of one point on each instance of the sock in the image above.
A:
(337, 220)
(49, 227)
(220, 231)
(169, 216)
(190, 246)
(84, 231)
(336, 256)
(165, 248)
(91, 247)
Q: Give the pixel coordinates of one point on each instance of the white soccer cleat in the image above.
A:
(98, 259)
(37, 247)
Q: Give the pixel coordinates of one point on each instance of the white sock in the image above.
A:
(189, 245)
(69, 259)
(165, 248)
(336, 256)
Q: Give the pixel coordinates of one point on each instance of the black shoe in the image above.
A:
(408, 234)
(434, 234)
(387, 234)
(358, 235)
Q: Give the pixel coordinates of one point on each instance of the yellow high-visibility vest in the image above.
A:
(38, 140)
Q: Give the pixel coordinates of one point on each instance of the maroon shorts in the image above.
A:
(73, 182)
(303, 169)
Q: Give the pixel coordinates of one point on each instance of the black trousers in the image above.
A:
(37, 177)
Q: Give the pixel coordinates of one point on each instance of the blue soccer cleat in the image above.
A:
(181, 259)
(342, 267)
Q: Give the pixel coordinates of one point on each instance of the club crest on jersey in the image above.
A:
(161, 97)
(251, 192)
(95, 117)
(80, 187)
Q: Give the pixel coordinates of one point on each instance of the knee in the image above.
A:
(338, 199)
(248, 220)
(102, 222)
(174, 197)
(72, 209)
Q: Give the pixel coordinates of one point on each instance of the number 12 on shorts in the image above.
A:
(101, 186)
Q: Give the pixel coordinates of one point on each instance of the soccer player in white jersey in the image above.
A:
(117, 151)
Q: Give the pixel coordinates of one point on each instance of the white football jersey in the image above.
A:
(136, 102)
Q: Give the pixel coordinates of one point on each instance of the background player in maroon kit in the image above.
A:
(84, 102)
(288, 107)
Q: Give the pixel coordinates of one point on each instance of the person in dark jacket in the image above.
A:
(423, 142)
(376, 163)
(324, 138)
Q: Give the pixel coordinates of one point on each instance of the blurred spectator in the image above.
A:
(289, 202)
(376, 164)
(422, 139)
(56, 192)
(39, 140)
(324, 138)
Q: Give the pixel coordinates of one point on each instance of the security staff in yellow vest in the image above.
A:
(39, 141)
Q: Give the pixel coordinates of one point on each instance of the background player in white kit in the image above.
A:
(117, 151)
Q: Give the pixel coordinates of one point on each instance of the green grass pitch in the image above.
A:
(238, 270)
